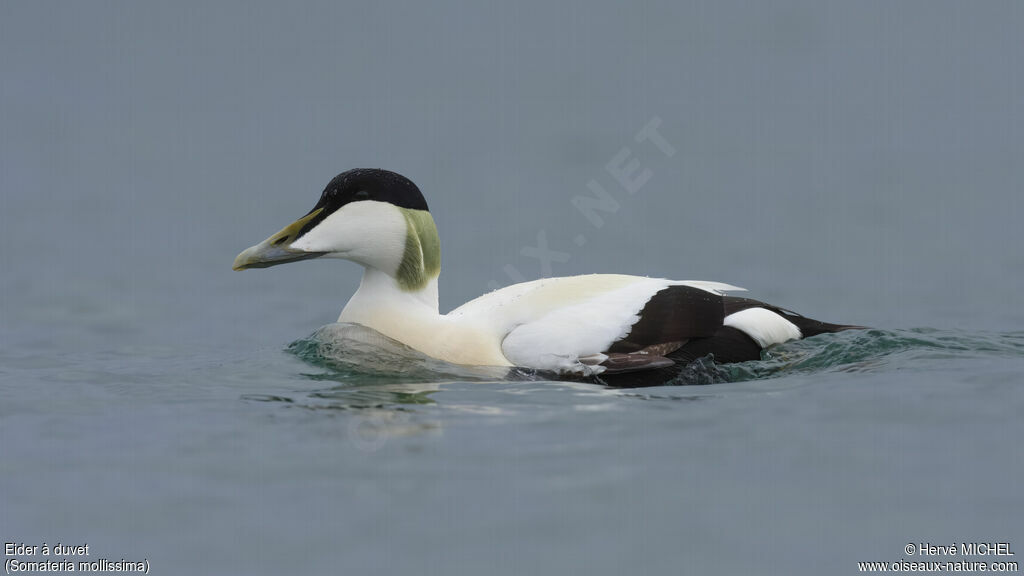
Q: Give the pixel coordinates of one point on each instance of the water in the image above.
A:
(332, 454)
(855, 162)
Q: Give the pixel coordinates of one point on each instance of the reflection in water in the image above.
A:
(369, 396)
(355, 396)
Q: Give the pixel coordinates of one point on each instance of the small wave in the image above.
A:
(877, 350)
(352, 351)
(355, 354)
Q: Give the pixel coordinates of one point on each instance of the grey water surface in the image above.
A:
(855, 162)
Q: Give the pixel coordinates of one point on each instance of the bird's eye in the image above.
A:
(361, 195)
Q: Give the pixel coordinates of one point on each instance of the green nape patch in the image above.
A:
(421, 260)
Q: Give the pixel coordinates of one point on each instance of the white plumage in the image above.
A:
(764, 326)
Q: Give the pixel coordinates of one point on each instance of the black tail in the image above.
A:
(807, 326)
(730, 344)
(726, 345)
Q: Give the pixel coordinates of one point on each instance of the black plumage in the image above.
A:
(365, 184)
(675, 314)
(683, 324)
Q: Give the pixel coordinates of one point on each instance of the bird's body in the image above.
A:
(580, 325)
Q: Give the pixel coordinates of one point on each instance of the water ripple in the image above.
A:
(355, 357)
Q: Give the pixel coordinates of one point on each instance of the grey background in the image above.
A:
(857, 162)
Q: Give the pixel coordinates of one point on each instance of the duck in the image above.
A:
(594, 325)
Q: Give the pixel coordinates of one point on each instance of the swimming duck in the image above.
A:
(597, 324)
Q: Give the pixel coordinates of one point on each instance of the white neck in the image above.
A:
(412, 317)
(379, 294)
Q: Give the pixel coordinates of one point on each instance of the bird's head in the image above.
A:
(373, 217)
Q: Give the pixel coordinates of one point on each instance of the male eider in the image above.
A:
(580, 325)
